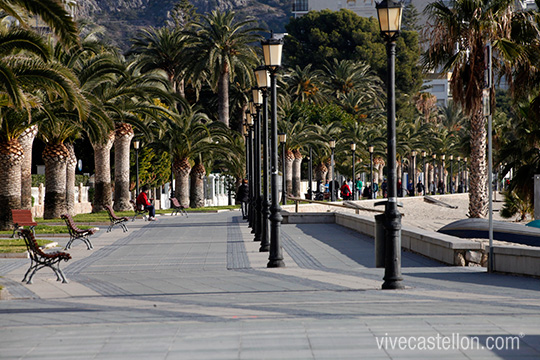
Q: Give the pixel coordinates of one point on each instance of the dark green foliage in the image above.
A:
(410, 18)
(320, 114)
(321, 36)
(154, 168)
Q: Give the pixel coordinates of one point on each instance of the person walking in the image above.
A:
(242, 195)
(359, 186)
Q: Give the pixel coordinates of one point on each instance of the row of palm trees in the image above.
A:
(177, 93)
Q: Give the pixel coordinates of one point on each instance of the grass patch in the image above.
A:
(17, 245)
(50, 229)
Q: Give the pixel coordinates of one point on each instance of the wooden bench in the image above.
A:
(22, 218)
(177, 208)
(115, 220)
(139, 210)
(77, 234)
(40, 259)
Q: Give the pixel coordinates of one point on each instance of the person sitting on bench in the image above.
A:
(142, 200)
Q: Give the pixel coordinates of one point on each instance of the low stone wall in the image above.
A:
(516, 260)
(444, 248)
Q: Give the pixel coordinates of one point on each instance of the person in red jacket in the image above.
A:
(142, 200)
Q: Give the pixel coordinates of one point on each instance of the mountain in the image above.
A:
(122, 18)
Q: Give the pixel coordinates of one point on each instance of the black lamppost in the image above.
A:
(434, 179)
(310, 174)
(465, 175)
(442, 174)
(263, 82)
(424, 154)
(272, 49)
(389, 13)
(332, 184)
(282, 137)
(458, 176)
(256, 111)
(370, 149)
(451, 174)
(413, 153)
(353, 149)
(251, 210)
(136, 145)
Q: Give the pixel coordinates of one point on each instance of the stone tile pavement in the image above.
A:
(197, 288)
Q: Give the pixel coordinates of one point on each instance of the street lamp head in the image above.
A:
(257, 96)
(424, 153)
(282, 137)
(332, 143)
(252, 108)
(443, 157)
(272, 49)
(451, 157)
(413, 153)
(136, 144)
(370, 149)
(263, 77)
(434, 156)
(389, 13)
(459, 158)
(353, 146)
(465, 159)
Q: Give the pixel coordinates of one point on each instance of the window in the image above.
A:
(300, 5)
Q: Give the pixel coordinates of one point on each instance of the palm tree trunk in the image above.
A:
(70, 180)
(197, 186)
(223, 97)
(289, 160)
(102, 160)
(297, 173)
(11, 156)
(181, 170)
(27, 140)
(122, 142)
(55, 156)
(320, 173)
(478, 177)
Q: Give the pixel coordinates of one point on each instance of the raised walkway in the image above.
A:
(197, 288)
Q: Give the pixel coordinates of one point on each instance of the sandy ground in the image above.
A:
(419, 213)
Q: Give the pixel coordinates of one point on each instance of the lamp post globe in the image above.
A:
(272, 50)
(389, 14)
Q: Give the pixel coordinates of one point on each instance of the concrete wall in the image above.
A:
(516, 260)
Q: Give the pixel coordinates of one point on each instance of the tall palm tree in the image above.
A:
(161, 49)
(458, 33)
(25, 77)
(186, 136)
(219, 46)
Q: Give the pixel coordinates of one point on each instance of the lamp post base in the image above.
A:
(275, 263)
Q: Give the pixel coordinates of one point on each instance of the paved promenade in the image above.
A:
(197, 288)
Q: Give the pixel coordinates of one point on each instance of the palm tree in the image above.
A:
(186, 136)
(457, 37)
(52, 12)
(161, 49)
(219, 46)
(300, 135)
(305, 85)
(25, 78)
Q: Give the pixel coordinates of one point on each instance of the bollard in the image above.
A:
(380, 240)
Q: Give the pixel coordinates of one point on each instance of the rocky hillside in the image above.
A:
(122, 18)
